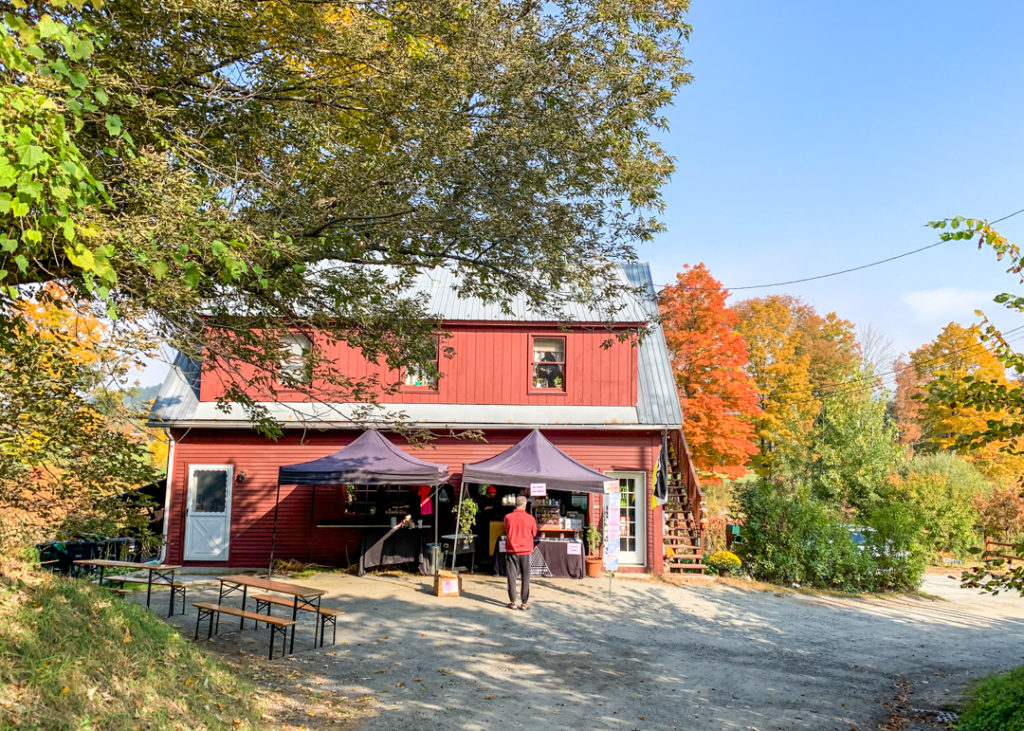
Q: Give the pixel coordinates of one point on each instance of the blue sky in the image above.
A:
(817, 136)
(821, 135)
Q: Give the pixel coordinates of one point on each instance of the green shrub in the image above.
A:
(995, 703)
(790, 537)
(945, 488)
(895, 544)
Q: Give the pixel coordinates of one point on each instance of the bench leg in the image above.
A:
(199, 615)
(209, 631)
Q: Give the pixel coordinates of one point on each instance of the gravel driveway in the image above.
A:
(647, 655)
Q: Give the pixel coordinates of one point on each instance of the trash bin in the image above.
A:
(435, 557)
(54, 557)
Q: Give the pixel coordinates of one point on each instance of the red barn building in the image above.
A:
(612, 407)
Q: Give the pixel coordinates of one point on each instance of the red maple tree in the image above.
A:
(709, 357)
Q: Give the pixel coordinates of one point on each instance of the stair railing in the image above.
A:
(694, 494)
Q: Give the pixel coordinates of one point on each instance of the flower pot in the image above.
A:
(593, 567)
(723, 572)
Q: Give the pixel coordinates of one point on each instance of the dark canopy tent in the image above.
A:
(535, 459)
(369, 460)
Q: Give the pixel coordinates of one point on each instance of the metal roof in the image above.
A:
(657, 402)
(440, 288)
(657, 399)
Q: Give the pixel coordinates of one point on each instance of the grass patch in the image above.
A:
(995, 703)
(72, 656)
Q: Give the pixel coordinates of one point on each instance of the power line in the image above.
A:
(841, 271)
(865, 383)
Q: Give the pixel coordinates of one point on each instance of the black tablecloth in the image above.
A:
(550, 559)
(382, 547)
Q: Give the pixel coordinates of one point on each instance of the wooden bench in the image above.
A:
(208, 611)
(176, 587)
(327, 616)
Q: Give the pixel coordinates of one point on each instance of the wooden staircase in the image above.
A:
(684, 519)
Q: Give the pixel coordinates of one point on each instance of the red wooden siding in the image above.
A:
(491, 365)
(252, 506)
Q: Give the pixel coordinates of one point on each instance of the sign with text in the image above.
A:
(612, 527)
(538, 489)
(573, 549)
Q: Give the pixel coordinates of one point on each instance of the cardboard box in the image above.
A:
(448, 583)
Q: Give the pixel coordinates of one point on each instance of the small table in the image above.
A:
(550, 559)
(393, 546)
(303, 596)
(158, 572)
(456, 539)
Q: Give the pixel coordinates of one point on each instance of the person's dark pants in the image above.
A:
(517, 565)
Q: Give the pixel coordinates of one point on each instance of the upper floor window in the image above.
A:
(296, 365)
(548, 364)
(416, 377)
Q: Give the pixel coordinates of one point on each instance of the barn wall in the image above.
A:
(253, 500)
(491, 365)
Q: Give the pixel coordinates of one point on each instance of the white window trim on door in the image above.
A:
(641, 508)
(190, 505)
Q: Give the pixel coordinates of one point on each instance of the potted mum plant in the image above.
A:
(723, 562)
(593, 559)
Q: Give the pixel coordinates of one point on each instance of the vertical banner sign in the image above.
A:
(611, 526)
(538, 489)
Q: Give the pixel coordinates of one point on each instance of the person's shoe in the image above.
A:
(512, 605)
(524, 607)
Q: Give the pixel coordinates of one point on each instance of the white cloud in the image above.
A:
(949, 303)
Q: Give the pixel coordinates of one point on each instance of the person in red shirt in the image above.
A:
(520, 530)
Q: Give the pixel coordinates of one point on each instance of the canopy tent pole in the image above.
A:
(273, 535)
(458, 521)
(309, 543)
(437, 519)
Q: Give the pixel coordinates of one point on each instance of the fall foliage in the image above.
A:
(68, 441)
(709, 358)
(957, 354)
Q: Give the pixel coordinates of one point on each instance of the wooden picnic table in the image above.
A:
(302, 596)
(158, 573)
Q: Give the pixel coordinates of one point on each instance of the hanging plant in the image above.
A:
(467, 515)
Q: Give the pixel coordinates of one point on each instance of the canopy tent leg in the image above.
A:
(458, 514)
(309, 543)
(273, 534)
(434, 552)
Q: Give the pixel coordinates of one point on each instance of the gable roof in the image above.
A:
(657, 403)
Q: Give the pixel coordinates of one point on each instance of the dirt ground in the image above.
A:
(629, 654)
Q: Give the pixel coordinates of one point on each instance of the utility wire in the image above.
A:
(865, 383)
(841, 271)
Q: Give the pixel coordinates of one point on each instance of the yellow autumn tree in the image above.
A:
(797, 357)
(957, 353)
(66, 443)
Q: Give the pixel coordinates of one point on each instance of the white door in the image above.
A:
(632, 517)
(208, 517)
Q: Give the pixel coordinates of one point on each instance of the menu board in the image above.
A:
(538, 489)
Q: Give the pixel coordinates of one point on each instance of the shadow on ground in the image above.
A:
(644, 655)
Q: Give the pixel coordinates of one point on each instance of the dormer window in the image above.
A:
(421, 377)
(548, 365)
(296, 365)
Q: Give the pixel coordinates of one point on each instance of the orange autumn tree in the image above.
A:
(709, 358)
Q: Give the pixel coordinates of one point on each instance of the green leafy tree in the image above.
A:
(227, 170)
(855, 448)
